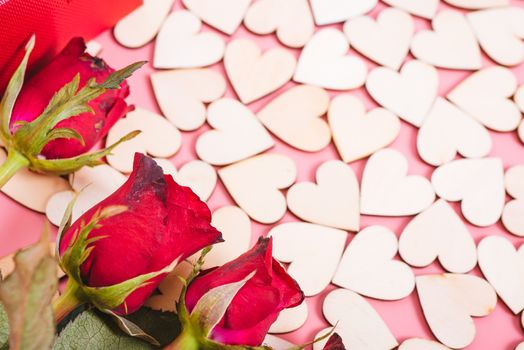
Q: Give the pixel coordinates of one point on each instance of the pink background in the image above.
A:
(501, 330)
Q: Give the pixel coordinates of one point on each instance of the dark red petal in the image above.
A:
(334, 343)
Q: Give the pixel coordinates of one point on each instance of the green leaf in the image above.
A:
(26, 295)
(116, 78)
(92, 331)
(4, 329)
(12, 91)
(64, 133)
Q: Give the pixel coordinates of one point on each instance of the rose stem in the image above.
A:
(69, 300)
(14, 162)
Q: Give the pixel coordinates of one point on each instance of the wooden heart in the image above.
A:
(395, 91)
(421, 8)
(519, 98)
(367, 266)
(335, 11)
(478, 4)
(324, 62)
(199, 176)
(277, 343)
(313, 252)
(7, 263)
(446, 131)
(358, 134)
(421, 344)
(253, 74)
(448, 302)
(255, 185)
(333, 201)
(388, 191)
(478, 183)
(290, 319)
(170, 289)
(301, 105)
(237, 134)
(438, 232)
(181, 95)
(512, 216)
(386, 40)
(180, 44)
(225, 15)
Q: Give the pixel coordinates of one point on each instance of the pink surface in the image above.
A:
(501, 330)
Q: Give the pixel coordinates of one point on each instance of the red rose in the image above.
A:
(334, 343)
(257, 304)
(163, 221)
(38, 91)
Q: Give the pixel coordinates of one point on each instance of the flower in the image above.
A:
(39, 89)
(257, 303)
(152, 222)
(334, 343)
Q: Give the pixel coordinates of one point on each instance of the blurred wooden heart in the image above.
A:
(519, 98)
(313, 252)
(358, 134)
(421, 8)
(335, 11)
(253, 74)
(324, 62)
(225, 15)
(7, 263)
(421, 344)
(170, 289)
(333, 201)
(199, 176)
(290, 319)
(180, 44)
(181, 95)
(478, 4)
(513, 214)
(368, 268)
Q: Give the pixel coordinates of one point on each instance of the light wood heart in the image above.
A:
(421, 8)
(478, 4)
(486, 96)
(503, 267)
(333, 201)
(448, 302)
(7, 263)
(93, 48)
(180, 44)
(140, 26)
(158, 138)
(277, 343)
(225, 15)
(356, 322)
(478, 183)
(368, 268)
(395, 91)
(199, 176)
(290, 319)
(500, 32)
(301, 105)
(521, 131)
(313, 252)
(388, 191)
(448, 130)
(358, 134)
(512, 216)
(237, 134)
(181, 95)
(254, 184)
(253, 74)
(438, 232)
(335, 11)
(519, 98)
(170, 289)
(324, 62)
(386, 40)
(290, 19)
(421, 344)
(30, 189)
(451, 44)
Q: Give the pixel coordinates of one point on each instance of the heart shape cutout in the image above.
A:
(451, 44)
(478, 183)
(181, 95)
(290, 19)
(485, 95)
(438, 232)
(425, 8)
(385, 41)
(277, 343)
(358, 134)
(335, 11)
(290, 319)
(255, 185)
(421, 344)
(357, 322)
(512, 217)
(394, 91)
(180, 44)
(324, 62)
(199, 176)
(301, 105)
(446, 131)
(477, 4)
(386, 189)
(158, 138)
(237, 134)
(225, 15)
(519, 98)
(170, 288)
(253, 74)
(333, 201)
(448, 302)
(367, 266)
(313, 252)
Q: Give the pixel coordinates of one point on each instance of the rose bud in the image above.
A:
(50, 122)
(334, 343)
(235, 304)
(117, 253)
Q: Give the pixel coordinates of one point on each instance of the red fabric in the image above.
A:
(38, 91)
(257, 304)
(164, 221)
(55, 22)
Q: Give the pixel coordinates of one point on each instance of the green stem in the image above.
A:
(14, 162)
(71, 298)
(185, 341)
